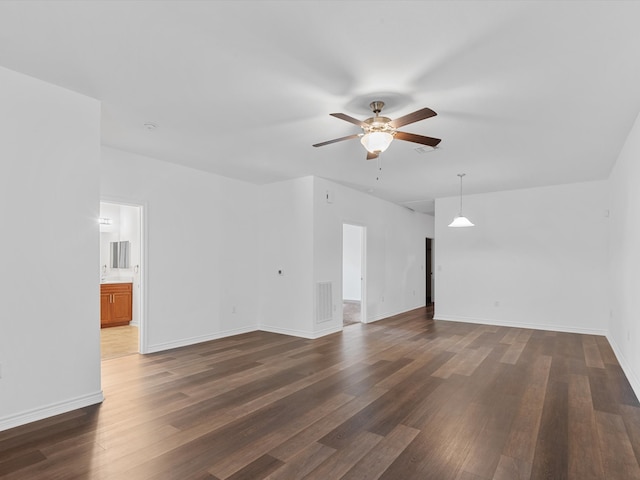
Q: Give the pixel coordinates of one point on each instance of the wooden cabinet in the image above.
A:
(115, 304)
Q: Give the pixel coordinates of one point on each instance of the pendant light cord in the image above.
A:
(461, 175)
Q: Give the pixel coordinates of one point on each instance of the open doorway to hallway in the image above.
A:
(121, 254)
(429, 271)
(429, 293)
(353, 276)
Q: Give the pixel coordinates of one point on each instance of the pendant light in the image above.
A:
(461, 220)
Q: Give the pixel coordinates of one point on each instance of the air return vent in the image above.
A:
(324, 303)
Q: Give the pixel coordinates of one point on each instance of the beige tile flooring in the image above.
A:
(118, 341)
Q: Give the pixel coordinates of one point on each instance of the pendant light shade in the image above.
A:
(461, 220)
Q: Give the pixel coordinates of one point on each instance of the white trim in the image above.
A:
(160, 347)
(50, 410)
(626, 368)
(301, 333)
(533, 326)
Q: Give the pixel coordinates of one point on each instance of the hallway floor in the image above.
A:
(118, 341)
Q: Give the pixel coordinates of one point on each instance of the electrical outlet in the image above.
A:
(233, 309)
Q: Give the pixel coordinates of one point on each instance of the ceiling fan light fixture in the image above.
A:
(376, 142)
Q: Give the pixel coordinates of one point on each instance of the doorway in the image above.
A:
(353, 274)
(121, 285)
(429, 271)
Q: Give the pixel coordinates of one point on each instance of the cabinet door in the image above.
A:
(115, 304)
(105, 309)
(121, 307)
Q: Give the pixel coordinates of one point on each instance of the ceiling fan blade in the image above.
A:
(371, 156)
(413, 117)
(348, 137)
(412, 137)
(349, 119)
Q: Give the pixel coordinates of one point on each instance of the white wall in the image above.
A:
(395, 250)
(286, 243)
(201, 247)
(49, 327)
(540, 253)
(301, 234)
(624, 287)
(352, 262)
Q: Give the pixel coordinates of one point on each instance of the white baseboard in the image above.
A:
(184, 342)
(626, 368)
(533, 326)
(51, 410)
(301, 333)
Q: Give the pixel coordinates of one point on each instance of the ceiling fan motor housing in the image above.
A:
(378, 124)
(376, 106)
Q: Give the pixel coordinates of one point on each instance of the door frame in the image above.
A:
(143, 320)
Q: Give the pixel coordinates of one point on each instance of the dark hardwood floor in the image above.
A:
(403, 398)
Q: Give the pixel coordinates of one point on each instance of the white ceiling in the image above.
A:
(527, 93)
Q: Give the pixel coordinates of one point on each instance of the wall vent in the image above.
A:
(324, 302)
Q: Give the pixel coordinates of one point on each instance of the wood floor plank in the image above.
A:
(510, 336)
(592, 355)
(250, 452)
(402, 398)
(438, 452)
(618, 458)
(551, 455)
(631, 419)
(258, 469)
(374, 463)
(343, 460)
(315, 432)
(303, 462)
(521, 444)
(585, 462)
(512, 469)
(606, 352)
(513, 353)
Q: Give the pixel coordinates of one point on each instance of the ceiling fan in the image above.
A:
(378, 132)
